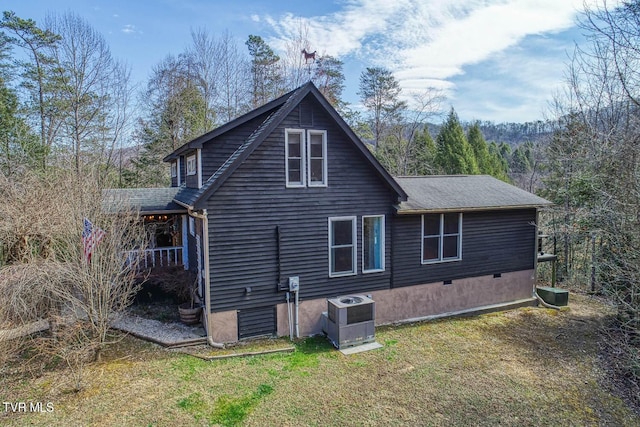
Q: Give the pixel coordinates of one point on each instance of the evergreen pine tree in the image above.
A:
(454, 154)
(424, 153)
(480, 149)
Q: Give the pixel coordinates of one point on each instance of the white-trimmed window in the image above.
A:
(441, 237)
(305, 158)
(317, 158)
(174, 169)
(192, 226)
(342, 246)
(179, 178)
(294, 157)
(191, 165)
(372, 243)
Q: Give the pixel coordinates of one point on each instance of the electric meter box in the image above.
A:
(294, 284)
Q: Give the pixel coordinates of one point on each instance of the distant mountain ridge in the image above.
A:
(511, 133)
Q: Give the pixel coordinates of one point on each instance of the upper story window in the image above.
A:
(191, 165)
(174, 169)
(294, 153)
(441, 237)
(317, 143)
(305, 158)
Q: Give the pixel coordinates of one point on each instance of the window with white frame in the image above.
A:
(192, 226)
(372, 243)
(317, 158)
(294, 157)
(191, 165)
(342, 246)
(441, 237)
(174, 169)
(306, 158)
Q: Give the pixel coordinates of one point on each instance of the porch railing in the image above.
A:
(158, 257)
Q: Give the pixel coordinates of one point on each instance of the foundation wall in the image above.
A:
(224, 326)
(396, 305)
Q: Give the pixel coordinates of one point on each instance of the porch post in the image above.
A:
(185, 243)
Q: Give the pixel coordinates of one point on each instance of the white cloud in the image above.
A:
(130, 29)
(343, 32)
(429, 43)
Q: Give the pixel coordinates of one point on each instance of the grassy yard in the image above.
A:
(529, 366)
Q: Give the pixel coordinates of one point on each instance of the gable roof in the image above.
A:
(281, 108)
(146, 200)
(463, 193)
(199, 141)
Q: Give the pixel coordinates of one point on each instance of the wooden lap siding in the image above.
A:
(492, 242)
(245, 212)
(255, 322)
(225, 145)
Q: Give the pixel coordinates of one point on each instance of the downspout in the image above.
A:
(207, 275)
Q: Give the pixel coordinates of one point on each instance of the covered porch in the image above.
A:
(165, 223)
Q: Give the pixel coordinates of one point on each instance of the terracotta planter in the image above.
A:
(188, 315)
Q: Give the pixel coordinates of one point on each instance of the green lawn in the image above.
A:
(529, 366)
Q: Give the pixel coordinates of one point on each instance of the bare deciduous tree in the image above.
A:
(94, 89)
(47, 275)
(594, 163)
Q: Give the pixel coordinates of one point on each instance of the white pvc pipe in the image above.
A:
(297, 318)
(289, 314)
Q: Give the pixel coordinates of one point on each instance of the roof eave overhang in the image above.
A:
(418, 211)
(163, 212)
(183, 204)
(199, 141)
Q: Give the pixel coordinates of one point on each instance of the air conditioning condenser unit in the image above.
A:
(350, 320)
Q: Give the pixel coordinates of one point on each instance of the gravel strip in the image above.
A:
(167, 334)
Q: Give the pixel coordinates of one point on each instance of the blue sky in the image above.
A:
(500, 60)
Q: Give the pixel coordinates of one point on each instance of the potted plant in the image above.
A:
(190, 310)
(183, 286)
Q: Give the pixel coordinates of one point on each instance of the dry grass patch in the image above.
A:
(525, 367)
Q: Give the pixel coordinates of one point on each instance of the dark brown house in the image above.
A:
(289, 191)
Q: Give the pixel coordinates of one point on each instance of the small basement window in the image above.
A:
(441, 237)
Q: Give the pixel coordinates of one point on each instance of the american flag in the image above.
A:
(91, 236)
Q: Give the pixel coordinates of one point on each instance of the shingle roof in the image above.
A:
(463, 193)
(146, 200)
(199, 141)
(186, 196)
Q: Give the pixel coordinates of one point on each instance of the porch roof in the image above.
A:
(463, 193)
(146, 200)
